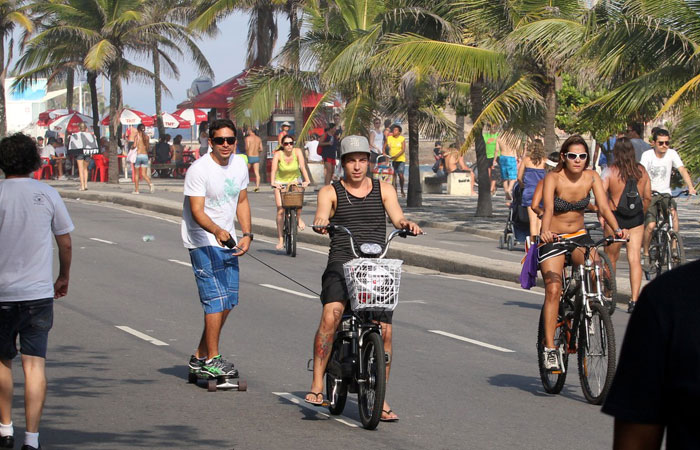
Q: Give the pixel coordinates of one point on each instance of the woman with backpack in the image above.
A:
(629, 193)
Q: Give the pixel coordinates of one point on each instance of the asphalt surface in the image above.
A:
(110, 389)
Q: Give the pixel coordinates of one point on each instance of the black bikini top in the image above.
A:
(561, 205)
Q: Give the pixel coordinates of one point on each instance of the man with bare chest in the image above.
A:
(253, 147)
(508, 162)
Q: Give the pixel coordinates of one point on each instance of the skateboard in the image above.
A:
(225, 382)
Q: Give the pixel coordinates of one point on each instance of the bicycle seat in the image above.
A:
(592, 226)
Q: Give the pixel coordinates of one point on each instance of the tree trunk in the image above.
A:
(3, 110)
(114, 111)
(92, 83)
(459, 121)
(484, 207)
(70, 83)
(158, 91)
(550, 99)
(266, 35)
(294, 34)
(415, 198)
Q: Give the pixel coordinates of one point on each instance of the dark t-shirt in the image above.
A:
(162, 152)
(640, 146)
(658, 375)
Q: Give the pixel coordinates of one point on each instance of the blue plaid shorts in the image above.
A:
(216, 272)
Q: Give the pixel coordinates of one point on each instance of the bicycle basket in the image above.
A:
(293, 199)
(373, 284)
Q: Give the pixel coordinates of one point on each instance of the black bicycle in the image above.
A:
(666, 250)
(584, 327)
(357, 363)
(292, 199)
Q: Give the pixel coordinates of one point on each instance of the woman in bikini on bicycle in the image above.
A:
(566, 195)
(287, 168)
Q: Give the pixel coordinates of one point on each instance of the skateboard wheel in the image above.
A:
(242, 385)
(192, 377)
(211, 385)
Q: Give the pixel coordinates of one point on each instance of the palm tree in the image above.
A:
(109, 29)
(12, 13)
(177, 14)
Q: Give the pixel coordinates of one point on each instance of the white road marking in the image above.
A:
(288, 291)
(180, 262)
(300, 402)
(313, 250)
(526, 291)
(472, 341)
(414, 301)
(103, 241)
(140, 335)
(136, 213)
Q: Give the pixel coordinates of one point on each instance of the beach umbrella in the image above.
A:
(173, 121)
(131, 117)
(192, 115)
(69, 123)
(47, 116)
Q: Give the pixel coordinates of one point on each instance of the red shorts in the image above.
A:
(329, 160)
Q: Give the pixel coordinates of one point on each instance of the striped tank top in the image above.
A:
(365, 218)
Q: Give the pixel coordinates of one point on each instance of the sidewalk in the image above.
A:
(455, 242)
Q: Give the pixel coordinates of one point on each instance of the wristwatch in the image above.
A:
(250, 235)
(618, 231)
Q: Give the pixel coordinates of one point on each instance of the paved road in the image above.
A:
(109, 389)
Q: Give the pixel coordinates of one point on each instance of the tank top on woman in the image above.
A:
(378, 141)
(364, 217)
(288, 172)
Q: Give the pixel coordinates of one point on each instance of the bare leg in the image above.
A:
(551, 272)
(635, 264)
(401, 181)
(82, 173)
(386, 336)
(300, 223)
(535, 224)
(279, 218)
(328, 174)
(6, 391)
(209, 343)
(323, 343)
(34, 390)
(648, 230)
(135, 174)
(256, 171)
(674, 219)
(145, 176)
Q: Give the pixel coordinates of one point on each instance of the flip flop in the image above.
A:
(391, 411)
(315, 394)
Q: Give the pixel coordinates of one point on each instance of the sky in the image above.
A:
(225, 52)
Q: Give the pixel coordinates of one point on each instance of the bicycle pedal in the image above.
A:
(310, 365)
(555, 372)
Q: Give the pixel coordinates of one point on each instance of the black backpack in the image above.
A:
(630, 201)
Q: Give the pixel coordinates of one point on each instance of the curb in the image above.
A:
(441, 260)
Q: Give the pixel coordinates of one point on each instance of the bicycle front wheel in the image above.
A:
(336, 389)
(553, 382)
(292, 234)
(596, 354)
(371, 393)
(676, 255)
(607, 282)
(286, 231)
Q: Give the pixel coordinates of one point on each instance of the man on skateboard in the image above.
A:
(215, 193)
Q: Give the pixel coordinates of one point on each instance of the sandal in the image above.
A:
(391, 419)
(316, 395)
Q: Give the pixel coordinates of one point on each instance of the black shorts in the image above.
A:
(334, 289)
(566, 244)
(629, 222)
(31, 320)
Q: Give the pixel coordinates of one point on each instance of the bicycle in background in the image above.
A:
(292, 199)
(666, 250)
(583, 327)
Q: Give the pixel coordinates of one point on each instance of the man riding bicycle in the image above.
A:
(658, 162)
(360, 204)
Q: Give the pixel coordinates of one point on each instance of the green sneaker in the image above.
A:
(218, 367)
(195, 365)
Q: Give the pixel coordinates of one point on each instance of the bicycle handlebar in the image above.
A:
(333, 228)
(683, 192)
(605, 241)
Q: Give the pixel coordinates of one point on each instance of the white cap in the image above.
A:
(286, 124)
(354, 144)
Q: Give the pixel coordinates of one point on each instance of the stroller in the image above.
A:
(383, 171)
(518, 224)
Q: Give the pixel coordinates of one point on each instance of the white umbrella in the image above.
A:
(69, 122)
(192, 115)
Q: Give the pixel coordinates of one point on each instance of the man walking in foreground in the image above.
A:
(215, 193)
(31, 213)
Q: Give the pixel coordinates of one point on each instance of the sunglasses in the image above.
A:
(220, 140)
(663, 143)
(573, 156)
(288, 143)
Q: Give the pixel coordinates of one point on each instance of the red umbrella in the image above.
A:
(172, 121)
(192, 115)
(70, 122)
(131, 117)
(47, 116)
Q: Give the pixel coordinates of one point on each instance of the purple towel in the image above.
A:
(528, 276)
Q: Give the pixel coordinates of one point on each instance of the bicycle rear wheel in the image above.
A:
(655, 257)
(677, 251)
(596, 355)
(370, 396)
(553, 382)
(607, 283)
(292, 238)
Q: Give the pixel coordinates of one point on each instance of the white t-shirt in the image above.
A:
(659, 169)
(312, 147)
(31, 213)
(47, 151)
(377, 137)
(220, 186)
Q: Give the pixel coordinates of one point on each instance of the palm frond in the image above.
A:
(100, 55)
